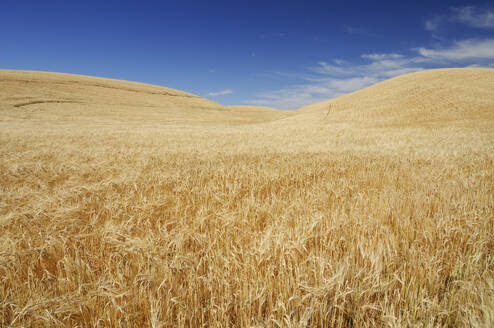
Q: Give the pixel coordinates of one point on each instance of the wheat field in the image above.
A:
(129, 205)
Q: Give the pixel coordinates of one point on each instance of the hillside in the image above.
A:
(259, 114)
(440, 96)
(64, 98)
(444, 96)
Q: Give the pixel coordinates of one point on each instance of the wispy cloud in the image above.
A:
(329, 81)
(476, 17)
(378, 65)
(220, 93)
(325, 68)
(463, 50)
(301, 95)
(432, 24)
(334, 77)
(381, 56)
(326, 80)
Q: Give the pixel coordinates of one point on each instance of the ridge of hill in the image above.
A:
(59, 97)
(432, 96)
(421, 98)
(258, 114)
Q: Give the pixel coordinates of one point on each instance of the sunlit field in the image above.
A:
(374, 209)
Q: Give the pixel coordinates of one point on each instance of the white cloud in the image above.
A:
(381, 56)
(491, 65)
(285, 99)
(220, 93)
(348, 85)
(328, 81)
(463, 50)
(380, 65)
(306, 94)
(433, 23)
(325, 68)
(476, 17)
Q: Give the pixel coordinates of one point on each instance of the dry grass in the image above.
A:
(444, 96)
(111, 220)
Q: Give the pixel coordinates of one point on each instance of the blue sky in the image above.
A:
(283, 54)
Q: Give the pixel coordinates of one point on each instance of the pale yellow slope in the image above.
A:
(27, 96)
(427, 97)
(257, 114)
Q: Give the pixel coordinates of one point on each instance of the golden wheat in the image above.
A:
(301, 221)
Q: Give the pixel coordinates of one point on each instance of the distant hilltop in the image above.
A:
(456, 94)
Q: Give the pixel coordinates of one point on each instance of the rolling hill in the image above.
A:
(426, 97)
(66, 98)
(257, 114)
